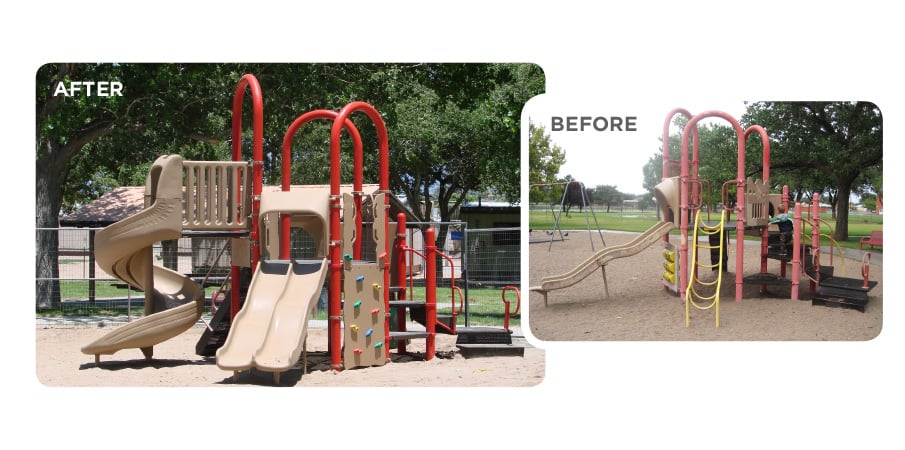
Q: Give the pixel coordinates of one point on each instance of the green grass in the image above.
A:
(486, 308)
(636, 221)
(78, 290)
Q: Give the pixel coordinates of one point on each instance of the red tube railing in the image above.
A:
(286, 173)
(336, 265)
(453, 287)
(865, 269)
(518, 305)
(455, 290)
(249, 82)
(815, 241)
(430, 292)
(796, 250)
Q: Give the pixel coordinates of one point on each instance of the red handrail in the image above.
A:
(518, 305)
(454, 289)
(452, 279)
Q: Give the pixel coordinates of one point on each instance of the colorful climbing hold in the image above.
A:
(376, 286)
(360, 278)
(357, 351)
(354, 328)
(347, 257)
(375, 311)
(378, 345)
(369, 332)
(357, 304)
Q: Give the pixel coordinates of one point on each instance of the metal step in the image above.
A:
(843, 292)
(403, 335)
(483, 335)
(853, 284)
(484, 344)
(767, 278)
(824, 300)
(489, 350)
(411, 304)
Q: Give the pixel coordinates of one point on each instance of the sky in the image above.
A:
(613, 157)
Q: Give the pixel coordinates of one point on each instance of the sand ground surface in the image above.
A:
(639, 309)
(61, 363)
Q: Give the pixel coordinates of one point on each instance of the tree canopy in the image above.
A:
(544, 160)
(832, 148)
(453, 128)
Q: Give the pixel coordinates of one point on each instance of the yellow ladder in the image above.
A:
(691, 292)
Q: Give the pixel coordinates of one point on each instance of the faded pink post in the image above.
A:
(685, 180)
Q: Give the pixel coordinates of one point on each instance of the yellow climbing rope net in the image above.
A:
(691, 292)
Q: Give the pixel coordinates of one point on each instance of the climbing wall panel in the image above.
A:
(364, 316)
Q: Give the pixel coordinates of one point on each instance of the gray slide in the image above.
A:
(590, 265)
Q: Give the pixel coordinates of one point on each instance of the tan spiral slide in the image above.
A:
(173, 302)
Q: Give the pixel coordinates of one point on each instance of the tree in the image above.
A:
(86, 145)
(544, 160)
(82, 141)
(608, 195)
(838, 140)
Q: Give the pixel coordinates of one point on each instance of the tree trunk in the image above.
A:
(51, 170)
(48, 197)
(840, 234)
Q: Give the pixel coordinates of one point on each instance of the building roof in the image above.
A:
(111, 207)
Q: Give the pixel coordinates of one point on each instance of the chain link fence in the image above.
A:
(492, 261)
(73, 288)
(78, 287)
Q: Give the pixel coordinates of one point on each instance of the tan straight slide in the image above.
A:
(635, 246)
(270, 330)
(124, 251)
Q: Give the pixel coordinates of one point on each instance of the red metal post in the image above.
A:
(785, 209)
(333, 307)
(796, 251)
(815, 240)
(430, 296)
(666, 157)
(766, 177)
(249, 82)
(865, 269)
(401, 270)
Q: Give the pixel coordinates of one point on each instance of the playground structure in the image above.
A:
(263, 326)
(754, 208)
(567, 200)
(680, 199)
